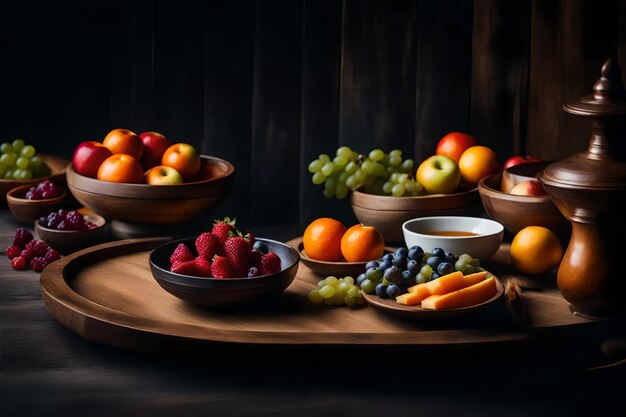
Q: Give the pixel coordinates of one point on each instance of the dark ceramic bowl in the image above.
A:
(222, 291)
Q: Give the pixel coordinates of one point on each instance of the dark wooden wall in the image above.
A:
(269, 85)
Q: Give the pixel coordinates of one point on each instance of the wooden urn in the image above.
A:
(589, 188)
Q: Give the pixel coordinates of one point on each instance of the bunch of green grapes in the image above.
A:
(18, 161)
(374, 172)
(333, 291)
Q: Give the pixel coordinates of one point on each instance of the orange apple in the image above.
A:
(530, 187)
(183, 158)
(121, 168)
(162, 175)
(124, 141)
(454, 144)
(476, 163)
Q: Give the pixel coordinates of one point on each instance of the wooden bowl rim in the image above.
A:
(145, 191)
(193, 278)
(484, 189)
(416, 197)
(11, 199)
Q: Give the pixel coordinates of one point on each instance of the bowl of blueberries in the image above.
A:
(70, 230)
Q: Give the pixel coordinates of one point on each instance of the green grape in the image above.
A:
(352, 182)
(467, 269)
(338, 297)
(344, 286)
(35, 161)
(22, 174)
(403, 179)
(324, 158)
(466, 258)
(315, 166)
(8, 159)
(353, 292)
(376, 187)
(395, 152)
(18, 145)
(28, 151)
(351, 168)
(379, 170)
(6, 148)
(328, 168)
(460, 264)
(419, 188)
(332, 281)
(395, 161)
(341, 191)
(385, 281)
(331, 183)
(345, 152)
(360, 176)
(387, 186)
(420, 278)
(426, 271)
(318, 178)
(315, 297)
(425, 256)
(321, 283)
(408, 165)
(368, 286)
(326, 291)
(328, 193)
(348, 280)
(367, 167)
(369, 181)
(22, 162)
(397, 190)
(359, 300)
(376, 155)
(350, 301)
(410, 187)
(340, 161)
(475, 262)
(394, 177)
(343, 177)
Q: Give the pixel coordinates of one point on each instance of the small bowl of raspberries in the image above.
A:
(27, 252)
(224, 266)
(27, 203)
(70, 230)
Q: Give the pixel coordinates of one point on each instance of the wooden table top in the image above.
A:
(46, 368)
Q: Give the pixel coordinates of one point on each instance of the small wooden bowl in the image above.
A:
(57, 166)
(28, 211)
(518, 211)
(326, 268)
(154, 204)
(388, 213)
(67, 241)
(520, 173)
(223, 291)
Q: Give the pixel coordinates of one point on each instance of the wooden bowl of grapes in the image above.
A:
(145, 205)
(55, 171)
(388, 213)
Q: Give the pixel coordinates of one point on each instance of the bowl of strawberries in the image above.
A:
(223, 266)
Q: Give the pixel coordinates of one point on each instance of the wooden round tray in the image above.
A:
(107, 294)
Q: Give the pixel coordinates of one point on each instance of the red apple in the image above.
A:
(530, 187)
(154, 146)
(162, 175)
(454, 144)
(516, 160)
(184, 158)
(88, 157)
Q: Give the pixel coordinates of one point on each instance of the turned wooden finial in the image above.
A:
(610, 83)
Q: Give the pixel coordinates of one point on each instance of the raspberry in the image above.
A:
(51, 256)
(75, 220)
(18, 263)
(39, 247)
(21, 237)
(13, 252)
(28, 254)
(38, 264)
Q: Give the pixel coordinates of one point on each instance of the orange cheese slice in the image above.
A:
(464, 297)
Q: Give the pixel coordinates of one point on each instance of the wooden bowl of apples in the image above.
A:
(154, 204)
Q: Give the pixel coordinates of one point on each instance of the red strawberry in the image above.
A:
(202, 267)
(18, 263)
(250, 238)
(223, 229)
(208, 246)
(181, 254)
(221, 268)
(270, 264)
(255, 258)
(184, 268)
(13, 251)
(238, 252)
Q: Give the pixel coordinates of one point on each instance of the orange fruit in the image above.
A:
(124, 141)
(535, 250)
(121, 168)
(322, 239)
(476, 163)
(362, 243)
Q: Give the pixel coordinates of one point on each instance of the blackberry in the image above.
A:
(63, 226)
(21, 237)
(53, 220)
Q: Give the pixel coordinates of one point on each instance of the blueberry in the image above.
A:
(360, 279)
(381, 291)
(254, 272)
(402, 252)
(388, 258)
(399, 261)
(374, 274)
(393, 275)
(413, 267)
(433, 262)
(449, 258)
(384, 266)
(445, 268)
(261, 247)
(408, 279)
(438, 252)
(43, 221)
(415, 253)
(434, 276)
(393, 291)
(371, 264)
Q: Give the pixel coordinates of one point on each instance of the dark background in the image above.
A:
(269, 85)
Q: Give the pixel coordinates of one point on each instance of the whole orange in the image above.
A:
(184, 158)
(121, 168)
(124, 141)
(362, 243)
(322, 239)
(476, 163)
(535, 250)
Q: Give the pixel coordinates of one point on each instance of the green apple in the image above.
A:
(439, 174)
(162, 175)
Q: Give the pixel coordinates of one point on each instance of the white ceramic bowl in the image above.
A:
(482, 245)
